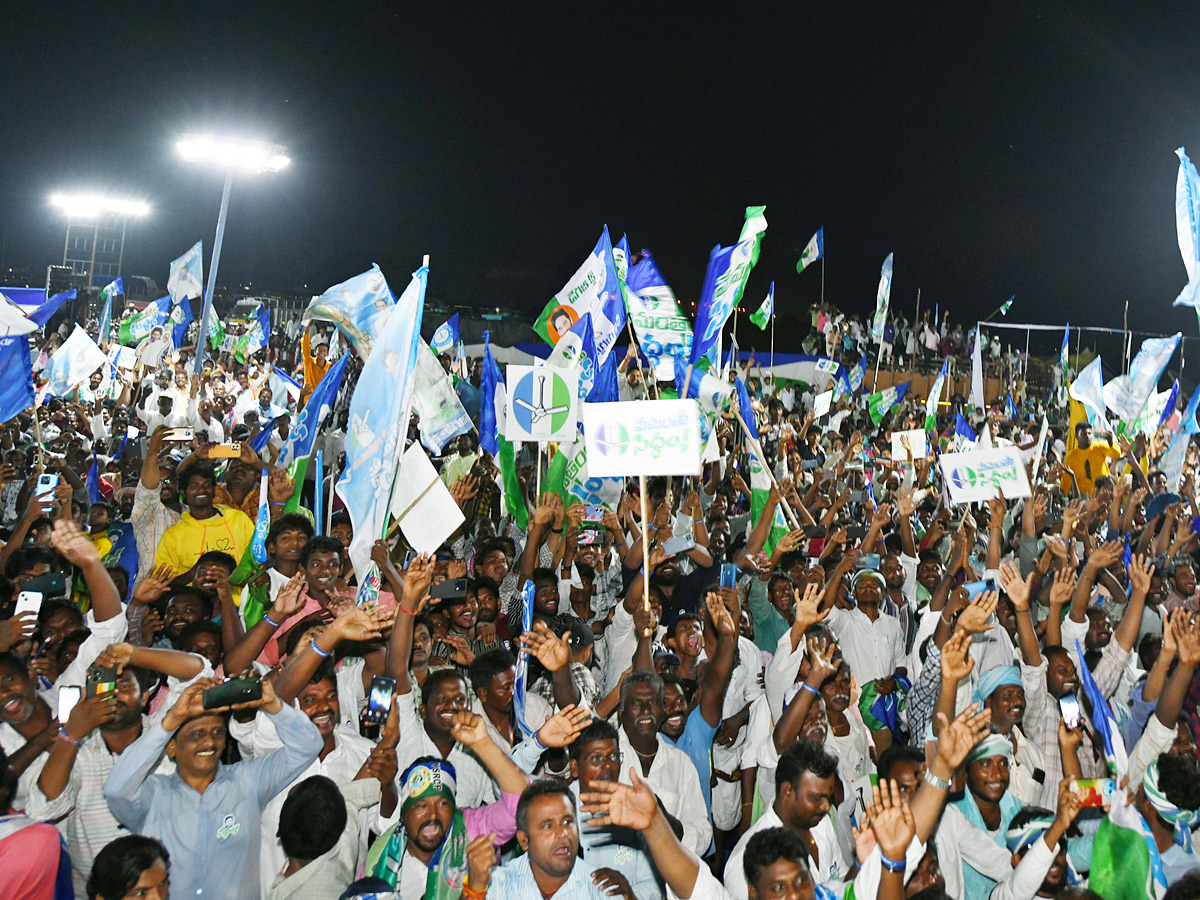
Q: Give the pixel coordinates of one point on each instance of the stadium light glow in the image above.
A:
(234, 154)
(92, 206)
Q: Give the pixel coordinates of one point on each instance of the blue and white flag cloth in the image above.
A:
(379, 414)
(180, 318)
(13, 320)
(299, 443)
(522, 675)
(594, 288)
(16, 387)
(605, 388)
(964, 434)
(186, 279)
(1187, 228)
(1088, 389)
(446, 336)
(577, 350)
(1010, 408)
(931, 402)
(728, 269)
(263, 435)
(977, 396)
(745, 410)
(106, 296)
(1169, 406)
(440, 413)
(813, 251)
(359, 307)
(73, 363)
(663, 331)
(92, 483)
(712, 392)
(883, 296)
(1126, 395)
(1172, 461)
(1103, 719)
(42, 314)
(262, 523)
(493, 401)
(283, 385)
(1189, 425)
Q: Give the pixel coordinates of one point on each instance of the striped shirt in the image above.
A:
(515, 881)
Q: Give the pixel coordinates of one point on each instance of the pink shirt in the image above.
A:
(339, 601)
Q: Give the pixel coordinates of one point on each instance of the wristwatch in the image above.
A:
(940, 783)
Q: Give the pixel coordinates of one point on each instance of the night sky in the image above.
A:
(1022, 148)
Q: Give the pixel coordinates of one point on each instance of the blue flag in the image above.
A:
(106, 295)
(523, 661)
(379, 414)
(16, 387)
(283, 385)
(446, 337)
(728, 269)
(124, 552)
(1010, 408)
(181, 317)
(357, 307)
(42, 314)
(605, 388)
(1189, 423)
(963, 429)
(93, 480)
(262, 524)
(1103, 719)
(1172, 401)
(746, 410)
(491, 400)
(259, 441)
(300, 439)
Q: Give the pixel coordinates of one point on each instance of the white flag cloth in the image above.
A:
(12, 320)
(73, 363)
(1126, 395)
(186, 278)
(1187, 228)
(1088, 389)
(977, 373)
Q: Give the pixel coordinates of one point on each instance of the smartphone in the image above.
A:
(857, 496)
(867, 561)
(178, 434)
(46, 484)
(587, 537)
(68, 696)
(225, 451)
(100, 680)
(593, 514)
(680, 544)
(1096, 791)
(729, 575)
(450, 589)
(408, 559)
(856, 532)
(975, 588)
(52, 584)
(236, 690)
(814, 531)
(806, 464)
(1070, 710)
(28, 601)
(379, 699)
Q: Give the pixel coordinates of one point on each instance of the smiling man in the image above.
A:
(206, 814)
(204, 526)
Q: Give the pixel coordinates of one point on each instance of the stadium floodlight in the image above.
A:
(92, 206)
(234, 155)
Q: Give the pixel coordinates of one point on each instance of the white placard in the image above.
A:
(122, 357)
(979, 475)
(822, 403)
(656, 437)
(422, 504)
(916, 443)
(542, 403)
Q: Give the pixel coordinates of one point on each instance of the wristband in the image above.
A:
(324, 654)
(537, 742)
(890, 864)
(271, 621)
(940, 783)
(556, 530)
(62, 733)
(408, 612)
(805, 686)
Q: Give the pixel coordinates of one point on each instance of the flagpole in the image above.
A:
(645, 549)
(822, 279)
(1126, 348)
(772, 344)
(757, 448)
(537, 494)
(319, 495)
(212, 273)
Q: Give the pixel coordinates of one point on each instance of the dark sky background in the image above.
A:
(1021, 148)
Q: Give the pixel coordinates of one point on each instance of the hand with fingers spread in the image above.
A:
(974, 618)
(906, 503)
(73, 544)
(1187, 639)
(359, 623)
(808, 611)
(564, 726)
(417, 578)
(290, 599)
(1014, 586)
(632, 806)
(721, 617)
(1141, 570)
(891, 819)
(549, 649)
(1063, 587)
(1104, 556)
(956, 738)
(155, 583)
(824, 661)
(957, 661)
(612, 883)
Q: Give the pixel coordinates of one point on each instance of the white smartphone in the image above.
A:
(28, 601)
(68, 696)
(46, 484)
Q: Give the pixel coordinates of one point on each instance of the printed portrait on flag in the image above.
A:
(560, 322)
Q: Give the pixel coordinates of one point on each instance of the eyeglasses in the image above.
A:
(600, 759)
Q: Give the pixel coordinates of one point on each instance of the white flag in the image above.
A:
(187, 275)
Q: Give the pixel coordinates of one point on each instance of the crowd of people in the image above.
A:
(897, 697)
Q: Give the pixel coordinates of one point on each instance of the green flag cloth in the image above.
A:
(216, 329)
(514, 498)
(762, 315)
(760, 490)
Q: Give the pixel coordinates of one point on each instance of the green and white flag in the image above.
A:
(814, 251)
(1007, 305)
(216, 329)
(567, 476)
(880, 404)
(760, 490)
(931, 402)
(763, 314)
(139, 325)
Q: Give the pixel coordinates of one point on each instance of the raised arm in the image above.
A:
(356, 623)
(1140, 572)
(715, 681)
(414, 593)
(68, 540)
(1017, 589)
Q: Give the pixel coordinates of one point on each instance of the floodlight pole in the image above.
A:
(212, 273)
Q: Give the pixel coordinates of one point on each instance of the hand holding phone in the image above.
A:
(1070, 711)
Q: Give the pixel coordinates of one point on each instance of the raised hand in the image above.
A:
(891, 819)
(16, 629)
(481, 856)
(808, 606)
(974, 618)
(115, 656)
(564, 726)
(956, 738)
(1063, 586)
(1070, 802)
(156, 583)
(289, 600)
(1104, 556)
(417, 578)
(68, 540)
(632, 806)
(1014, 586)
(551, 651)
(90, 713)
(1141, 570)
(721, 617)
(468, 728)
(824, 660)
(361, 623)
(1187, 640)
(957, 661)
(905, 503)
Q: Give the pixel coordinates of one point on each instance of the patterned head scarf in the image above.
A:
(1181, 819)
(992, 745)
(1017, 839)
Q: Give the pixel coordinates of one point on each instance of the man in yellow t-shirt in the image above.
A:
(204, 526)
(1088, 461)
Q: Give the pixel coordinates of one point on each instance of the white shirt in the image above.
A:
(873, 649)
(829, 866)
(675, 782)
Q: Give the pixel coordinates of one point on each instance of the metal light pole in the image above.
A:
(234, 155)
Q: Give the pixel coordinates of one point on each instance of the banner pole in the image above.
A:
(822, 279)
(319, 495)
(757, 448)
(537, 496)
(645, 548)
